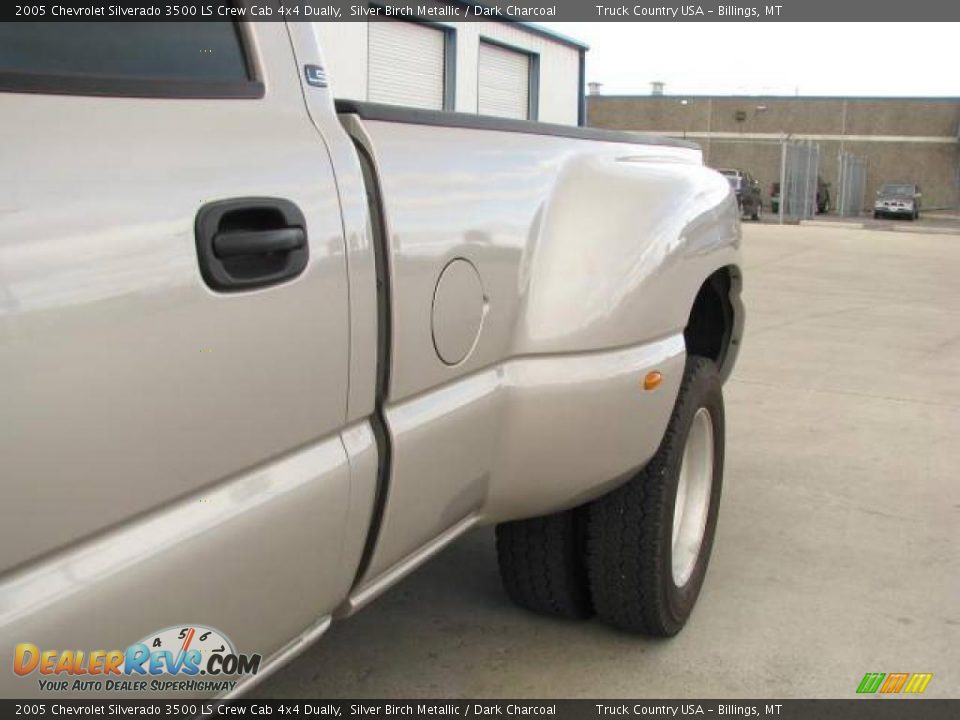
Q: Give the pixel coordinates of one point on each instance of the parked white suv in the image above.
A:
(897, 200)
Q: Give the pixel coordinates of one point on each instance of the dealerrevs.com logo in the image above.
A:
(176, 659)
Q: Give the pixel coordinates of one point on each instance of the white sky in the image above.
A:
(759, 58)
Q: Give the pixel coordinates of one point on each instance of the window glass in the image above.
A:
(185, 51)
(897, 189)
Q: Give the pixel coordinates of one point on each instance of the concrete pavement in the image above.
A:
(838, 549)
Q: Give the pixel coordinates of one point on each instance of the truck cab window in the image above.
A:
(204, 59)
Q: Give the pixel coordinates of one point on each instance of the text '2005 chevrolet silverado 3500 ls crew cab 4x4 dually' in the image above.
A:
(263, 353)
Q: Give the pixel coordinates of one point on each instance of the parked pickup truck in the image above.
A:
(262, 354)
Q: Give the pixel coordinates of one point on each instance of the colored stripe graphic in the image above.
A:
(871, 683)
(918, 682)
(894, 683)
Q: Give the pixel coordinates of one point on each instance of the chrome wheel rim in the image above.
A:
(692, 505)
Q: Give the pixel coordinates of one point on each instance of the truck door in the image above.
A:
(173, 293)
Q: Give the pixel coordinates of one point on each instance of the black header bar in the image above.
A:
(865, 709)
(528, 11)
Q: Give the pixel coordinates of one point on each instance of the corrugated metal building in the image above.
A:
(913, 140)
(506, 69)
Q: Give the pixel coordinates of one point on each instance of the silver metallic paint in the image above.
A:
(457, 312)
(232, 555)
(357, 230)
(169, 454)
(172, 455)
(580, 245)
(527, 437)
(127, 382)
(590, 255)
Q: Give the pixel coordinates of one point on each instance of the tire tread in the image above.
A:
(625, 533)
(541, 565)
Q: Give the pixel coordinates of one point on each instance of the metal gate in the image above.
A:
(799, 165)
(853, 185)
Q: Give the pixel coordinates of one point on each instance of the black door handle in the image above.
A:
(247, 243)
(258, 242)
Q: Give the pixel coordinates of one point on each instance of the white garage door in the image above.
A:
(406, 64)
(504, 82)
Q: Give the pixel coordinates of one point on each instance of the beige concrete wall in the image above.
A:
(797, 116)
(905, 127)
(664, 116)
(903, 117)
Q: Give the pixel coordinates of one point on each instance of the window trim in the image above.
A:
(533, 75)
(143, 87)
(109, 86)
(582, 89)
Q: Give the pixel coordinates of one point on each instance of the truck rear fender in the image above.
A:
(624, 244)
(635, 264)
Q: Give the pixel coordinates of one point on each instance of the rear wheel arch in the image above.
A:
(715, 324)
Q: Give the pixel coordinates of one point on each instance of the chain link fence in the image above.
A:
(799, 168)
(852, 185)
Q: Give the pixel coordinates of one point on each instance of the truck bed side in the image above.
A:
(589, 251)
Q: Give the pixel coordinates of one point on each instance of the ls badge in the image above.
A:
(315, 75)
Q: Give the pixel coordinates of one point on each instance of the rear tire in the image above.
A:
(631, 544)
(542, 564)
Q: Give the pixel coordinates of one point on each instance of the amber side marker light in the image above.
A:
(652, 380)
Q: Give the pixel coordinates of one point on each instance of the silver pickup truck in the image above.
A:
(263, 353)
